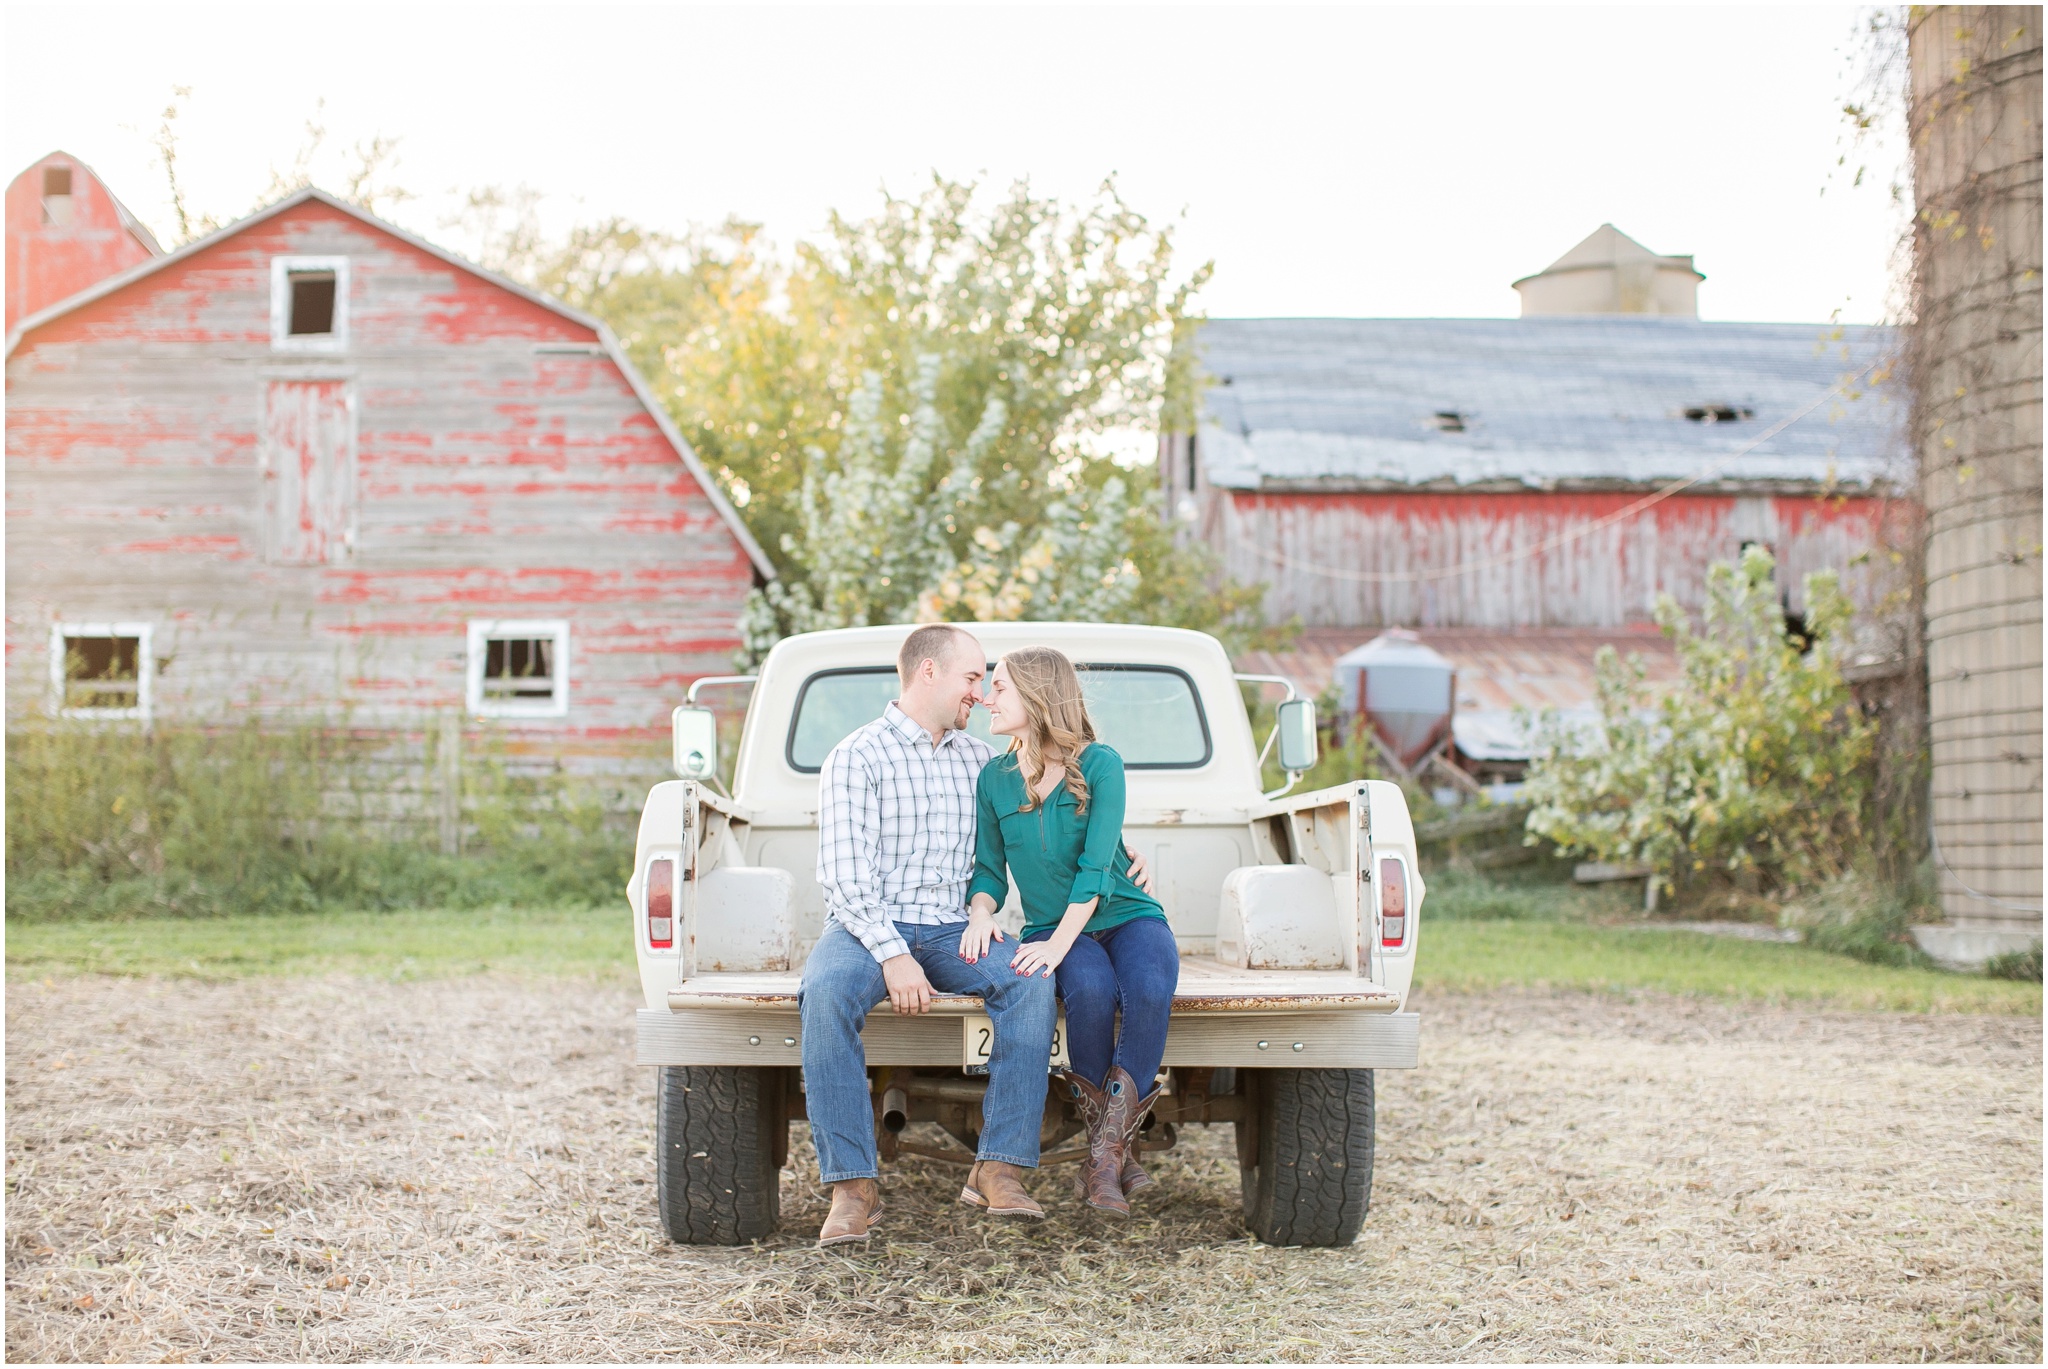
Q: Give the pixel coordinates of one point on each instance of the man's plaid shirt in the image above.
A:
(896, 828)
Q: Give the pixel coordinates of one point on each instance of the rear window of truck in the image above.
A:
(1150, 714)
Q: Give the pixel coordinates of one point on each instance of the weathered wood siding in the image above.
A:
(1976, 124)
(312, 533)
(49, 261)
(1369, 560)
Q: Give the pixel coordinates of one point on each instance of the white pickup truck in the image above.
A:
(1297, 919)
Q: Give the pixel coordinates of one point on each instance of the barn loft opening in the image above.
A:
(519, 669)
(102, 672)
(1796, 630)
(1448, 421)
(312, 306)
(1718, 413)
(57, 194)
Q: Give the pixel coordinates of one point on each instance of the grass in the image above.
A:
(400, 944)
(1474, 956)
(1476, 935)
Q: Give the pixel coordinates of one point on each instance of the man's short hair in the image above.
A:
(932, 642)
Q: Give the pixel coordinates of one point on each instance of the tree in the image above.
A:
(931, 412)
(1758, 761)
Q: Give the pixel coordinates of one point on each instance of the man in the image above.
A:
(895, 854)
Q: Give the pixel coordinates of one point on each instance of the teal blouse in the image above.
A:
(1057, 856)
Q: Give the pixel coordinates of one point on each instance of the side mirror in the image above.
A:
(696, 742)
(1297, 725)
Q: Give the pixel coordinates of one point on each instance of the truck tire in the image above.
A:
(715, 1172)
(1304, 1152)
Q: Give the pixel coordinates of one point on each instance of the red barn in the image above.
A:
(1520, 492)
(314, 464)
(65, 232)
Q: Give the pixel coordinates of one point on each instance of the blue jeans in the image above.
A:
(1132, 968)
(842, 980)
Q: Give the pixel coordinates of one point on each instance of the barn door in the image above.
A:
(309, 471)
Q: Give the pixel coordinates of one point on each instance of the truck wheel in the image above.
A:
(1304, 1150)
(715, 1173)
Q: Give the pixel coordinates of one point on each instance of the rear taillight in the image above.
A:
(661, 904)
(1393, 903)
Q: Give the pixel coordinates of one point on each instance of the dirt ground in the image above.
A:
(361, 1170)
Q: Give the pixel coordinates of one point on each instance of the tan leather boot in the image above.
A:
(999, 1186)
(855, 1205)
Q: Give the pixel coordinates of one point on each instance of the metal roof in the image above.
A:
(1559, 402)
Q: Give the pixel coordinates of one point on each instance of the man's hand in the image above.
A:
(909, 990)
(1141, 873)
(981, 930)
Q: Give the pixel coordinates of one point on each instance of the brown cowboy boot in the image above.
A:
(999, 1186)
(855, 1205)
(1108, 1142)
(1090, 1102)
(1132, 1175)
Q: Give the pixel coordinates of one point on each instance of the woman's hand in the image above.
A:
(981, 930)
(1039, 957)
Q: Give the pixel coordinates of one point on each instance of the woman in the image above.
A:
(1052, 810)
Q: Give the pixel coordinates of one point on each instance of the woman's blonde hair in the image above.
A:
(1057, 724)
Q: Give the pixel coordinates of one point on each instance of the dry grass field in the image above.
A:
(459, 1169)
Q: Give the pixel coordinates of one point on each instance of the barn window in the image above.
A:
(309, 304)
(57, 194)
(312, 303)
(101, 670)
(519, 668)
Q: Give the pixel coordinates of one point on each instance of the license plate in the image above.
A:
(978, 1041)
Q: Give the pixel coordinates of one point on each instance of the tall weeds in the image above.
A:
(190, 821)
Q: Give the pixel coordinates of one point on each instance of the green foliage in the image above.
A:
(966, 377)
(1533, 894)
(1755, 765)
(107, 822)
(2022, 965)
(940, 411)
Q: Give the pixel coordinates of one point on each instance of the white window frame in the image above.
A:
(480, 633)
(145, 669)
(282, 339)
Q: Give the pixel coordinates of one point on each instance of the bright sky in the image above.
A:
(1343, 160)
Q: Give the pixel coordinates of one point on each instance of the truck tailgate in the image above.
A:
(1222, 1016)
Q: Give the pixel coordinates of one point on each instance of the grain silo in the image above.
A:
(1975, 124)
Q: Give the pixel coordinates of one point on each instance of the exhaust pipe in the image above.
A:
(895, 1109)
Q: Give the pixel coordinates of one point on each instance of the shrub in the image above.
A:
(1866, 917)
(1755, 766)
(2023, 965)
(195, 821)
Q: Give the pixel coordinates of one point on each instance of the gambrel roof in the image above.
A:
(597, 327)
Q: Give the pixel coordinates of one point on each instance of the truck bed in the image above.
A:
(1222, 1016)
(1206, 986)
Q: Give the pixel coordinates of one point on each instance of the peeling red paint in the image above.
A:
(480, 479)
(228, 546)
